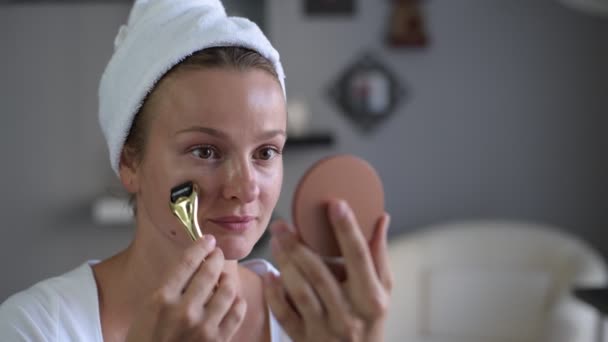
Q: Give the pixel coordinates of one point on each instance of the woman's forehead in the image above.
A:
(225, 99)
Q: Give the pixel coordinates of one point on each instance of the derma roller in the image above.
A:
(184, 204)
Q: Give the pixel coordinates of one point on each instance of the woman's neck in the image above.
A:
(142, 268)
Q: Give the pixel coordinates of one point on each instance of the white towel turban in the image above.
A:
(159, 34)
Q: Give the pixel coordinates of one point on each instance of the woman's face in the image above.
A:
(223, 129)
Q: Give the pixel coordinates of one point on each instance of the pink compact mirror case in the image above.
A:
(344, 177)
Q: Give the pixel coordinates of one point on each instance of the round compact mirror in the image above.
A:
(339, 177)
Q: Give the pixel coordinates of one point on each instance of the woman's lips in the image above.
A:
(235, 224)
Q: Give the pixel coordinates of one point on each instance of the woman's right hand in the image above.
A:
(189, 307)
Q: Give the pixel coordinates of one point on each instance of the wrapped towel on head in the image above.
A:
(158, 35)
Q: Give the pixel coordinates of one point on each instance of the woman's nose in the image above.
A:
(241, 182)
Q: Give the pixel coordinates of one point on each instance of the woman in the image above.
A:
(193, 95)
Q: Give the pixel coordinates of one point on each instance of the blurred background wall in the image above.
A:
(504, 119)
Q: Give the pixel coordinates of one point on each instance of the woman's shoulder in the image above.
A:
(261, 267)
(29, 314)
(35, 313)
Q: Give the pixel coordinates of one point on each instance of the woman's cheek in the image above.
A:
(271, 183)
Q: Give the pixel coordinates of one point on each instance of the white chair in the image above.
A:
(492, 282)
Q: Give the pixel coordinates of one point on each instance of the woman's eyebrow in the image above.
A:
(201, 129)
(219, 134)
(273, 133)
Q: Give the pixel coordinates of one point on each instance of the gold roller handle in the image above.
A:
(186, 210)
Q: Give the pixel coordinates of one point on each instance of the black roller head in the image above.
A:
(182, 190)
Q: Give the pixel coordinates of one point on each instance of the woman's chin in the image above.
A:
(234, 249)
(236, 255)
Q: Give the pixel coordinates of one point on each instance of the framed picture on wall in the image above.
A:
(329, 7)
(367, 91)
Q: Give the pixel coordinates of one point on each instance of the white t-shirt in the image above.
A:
(66, 308)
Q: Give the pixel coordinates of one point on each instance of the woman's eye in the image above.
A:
(205, 152)
(267, 153)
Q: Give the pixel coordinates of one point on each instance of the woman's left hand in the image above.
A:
(308, 300)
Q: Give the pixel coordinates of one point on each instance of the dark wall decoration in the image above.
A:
(329, 7)
(367, 92)
(407, 27)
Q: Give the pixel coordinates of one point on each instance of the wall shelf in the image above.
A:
(320, 139)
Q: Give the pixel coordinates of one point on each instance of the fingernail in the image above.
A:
(339, 209)
(209, 240)
(279, 229)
